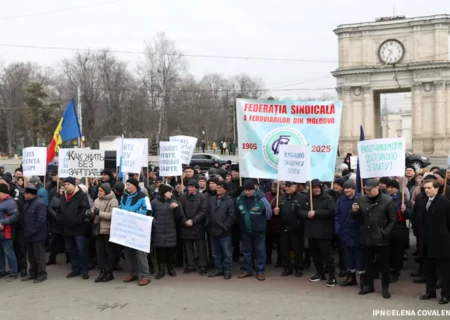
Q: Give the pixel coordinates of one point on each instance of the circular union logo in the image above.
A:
(277, 137)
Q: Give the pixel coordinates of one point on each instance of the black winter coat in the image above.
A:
(54, 214)
(290, 206)
(220, 216)
(433, 239)
(35, 220)
(164, 231)
(322, 225)
(73, 213)
(193, 208)
(377, 217)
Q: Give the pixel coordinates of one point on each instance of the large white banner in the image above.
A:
(294, 163)
(170, 159)
(140, 146)
(381, 157)
(131, 230)
(187, 147)
(80, 163)
(34, 161)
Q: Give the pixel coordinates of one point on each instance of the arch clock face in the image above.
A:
(391, 51)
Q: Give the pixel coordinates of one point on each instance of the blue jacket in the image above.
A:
(42, 193)
(254, 212)
(35, 220)
(134, 203)
(346, 226)
(9, 215)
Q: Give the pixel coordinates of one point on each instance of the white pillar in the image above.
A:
(368, 115)
(347, 113)
(440, 114)
(418, 117)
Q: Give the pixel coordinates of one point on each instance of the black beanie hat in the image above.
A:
(4, 188)
(339, 182)
(119, 187)
(249, 185)
(214, 180)
(316, 183)
(441, 173)
(193, 183)
(223, 184)
(134, 182)
(71, 180)
(164, 188)
(393, 184)
(384, 180)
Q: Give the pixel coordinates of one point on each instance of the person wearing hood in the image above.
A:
(106, 250)
(74, 209)
(254, 212)
(377, 215)
(42, 193)
(35, 226)
(166, 212)
(20, 248)
(9, 215)
(400, 232)
(57, 238)
(135, 201)
(292, 229)
(193, 215)
(319, 229)
(347, 229)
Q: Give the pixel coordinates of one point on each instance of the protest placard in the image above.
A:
(170, 159)
(381, 157)
(294, 163)
(132, 150)
(140, 146)
(34, 161)
(187, 145)
(353, 162)
(81, 163)
(131, 229)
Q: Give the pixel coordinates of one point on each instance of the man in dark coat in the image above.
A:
(377, 215)
(291, 228)
(400, 233)
(220, 216)
(57, 243)
(433, 215)
(319, 229)
(193, 217)
(35, 230)
(273, 227)
(73, 206)
(336, 192)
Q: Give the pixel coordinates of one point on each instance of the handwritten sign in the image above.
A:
(34, 161)
(140, 146)
(294, 163)
(170, 159)
(80, 163)
(131, 156)
(131, 230)
(187, 145)
(381, 157)
(353, 162)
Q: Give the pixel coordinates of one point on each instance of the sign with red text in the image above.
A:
(265, 125)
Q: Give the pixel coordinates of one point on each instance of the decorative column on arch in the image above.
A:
(417, 127)
(346, 113)
(440, 147)
(368, 114)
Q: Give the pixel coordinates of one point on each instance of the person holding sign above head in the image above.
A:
(74, 209)
(166, 212)
(319, 229)
(292, 228)
(106, 250)
(134, 201)
(254, 211)
(220, 217)
(377, 215)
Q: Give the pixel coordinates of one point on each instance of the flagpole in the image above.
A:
(80, 118)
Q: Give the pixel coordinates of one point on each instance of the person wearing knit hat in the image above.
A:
(70, 180)
(202, 187)
(400, 233)
(193, 183)
(135, 201)
(347, 228)
(382, 183)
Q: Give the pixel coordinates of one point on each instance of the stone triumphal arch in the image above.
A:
(392, 55)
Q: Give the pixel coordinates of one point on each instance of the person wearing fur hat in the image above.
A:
(74, 206)
(193, 215)
(135, 201)
(400, 232)
(220, 217)
(166, 212)
(106, 250)
(319, 229)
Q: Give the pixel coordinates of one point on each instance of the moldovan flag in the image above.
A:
(68, 129)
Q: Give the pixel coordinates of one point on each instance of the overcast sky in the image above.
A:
(256, 28)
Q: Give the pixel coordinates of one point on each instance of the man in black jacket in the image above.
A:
(291, 228)
(319, 229)
(220, 216)
(433, 215)
(193, 217)
(74, 204)
(378, 215)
